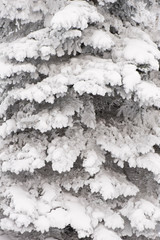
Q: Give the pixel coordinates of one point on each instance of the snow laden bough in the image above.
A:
(79, 111)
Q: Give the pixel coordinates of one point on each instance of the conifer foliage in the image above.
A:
(80, 119)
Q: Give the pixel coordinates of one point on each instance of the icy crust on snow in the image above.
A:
(77, 14)
(142, 214)
(133, 143)
(53, 208)
(111, 185)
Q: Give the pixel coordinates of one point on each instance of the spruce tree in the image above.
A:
(80, 119)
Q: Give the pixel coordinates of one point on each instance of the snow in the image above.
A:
(133, 144)
(92, 162)
(45, 120)
(27, 158)
(54, 122)
(97, 39)
(7, 127)
(130, 77)
(91, 87)
(42, 224)
(42, 43)
(111, 218)
(28, 11)
(63, 152)
(8, 69)
(95, 80)
(111, 185)
(148, 93)
(146, 16)
(100, 77)
(102, 2)
(82, 222)
(140, 52)
(142, 214)
(19, 196)
(21, 49)
(6, 237)
(149, 161)
(58, 218)
(93, 157)
(120, 145)
(102, 233)
(50, 192)
(77, 14)
(75, 179)
(95, 76)
(46, 90)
